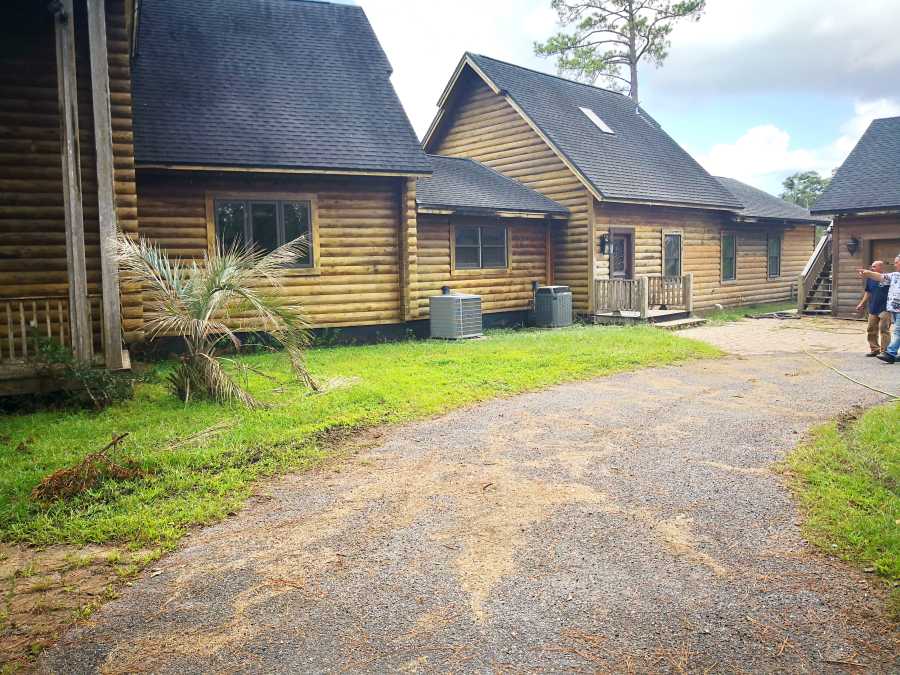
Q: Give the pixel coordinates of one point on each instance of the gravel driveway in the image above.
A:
(627, 523)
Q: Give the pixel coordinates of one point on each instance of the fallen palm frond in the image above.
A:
(95, 467)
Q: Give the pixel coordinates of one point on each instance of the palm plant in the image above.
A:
(209, 302)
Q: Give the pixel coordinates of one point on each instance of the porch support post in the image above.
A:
(109, 269)
(689, 292)
(79, 309)
(644, 296)
(409, 244)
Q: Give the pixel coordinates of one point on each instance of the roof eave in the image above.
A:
(450, 209)
(328, 170)
(861, 211)
(673, 204)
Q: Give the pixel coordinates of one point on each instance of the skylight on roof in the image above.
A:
(600, 124)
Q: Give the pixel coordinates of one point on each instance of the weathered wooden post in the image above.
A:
(79, 317)
(644, 295)
(689, 292)
(111, 314)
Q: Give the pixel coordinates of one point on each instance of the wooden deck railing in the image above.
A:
(25, 320)
(643, 293)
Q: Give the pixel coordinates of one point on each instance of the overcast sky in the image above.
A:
(757, 90)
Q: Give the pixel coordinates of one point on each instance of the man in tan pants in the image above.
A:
(874, 303)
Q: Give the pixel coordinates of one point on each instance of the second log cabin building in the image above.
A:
(262, 120)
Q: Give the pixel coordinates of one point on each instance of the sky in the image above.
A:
(756, 90)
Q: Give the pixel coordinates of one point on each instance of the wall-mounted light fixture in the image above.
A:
(852, 245)
(604, 243)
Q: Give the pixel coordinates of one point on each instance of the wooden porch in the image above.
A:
(67, 186)
(665, 302)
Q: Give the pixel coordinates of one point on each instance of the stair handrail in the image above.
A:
(813, 268)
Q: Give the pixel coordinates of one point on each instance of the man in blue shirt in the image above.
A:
(890, 354)
(874, 302)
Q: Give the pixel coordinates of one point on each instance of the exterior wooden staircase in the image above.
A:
(815, 286)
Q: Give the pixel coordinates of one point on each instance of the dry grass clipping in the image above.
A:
(65, 483)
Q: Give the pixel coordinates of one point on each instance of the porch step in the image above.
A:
(680, 324)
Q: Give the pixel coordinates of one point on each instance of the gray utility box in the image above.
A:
(455, 316)
(553, 306)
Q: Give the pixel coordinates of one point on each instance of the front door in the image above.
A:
(620, 262)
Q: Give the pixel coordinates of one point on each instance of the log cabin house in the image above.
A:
(260, 120)
(645, 219)
(863, 199)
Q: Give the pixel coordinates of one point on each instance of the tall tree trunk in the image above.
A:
(632, 52)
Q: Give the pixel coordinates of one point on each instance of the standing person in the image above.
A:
(893, 306)
(874, 301)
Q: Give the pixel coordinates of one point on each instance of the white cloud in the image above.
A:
(764, 155)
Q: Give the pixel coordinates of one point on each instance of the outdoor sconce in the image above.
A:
(604, 242)
(853, 245)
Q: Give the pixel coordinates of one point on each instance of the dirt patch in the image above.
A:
(46, 591)
(846, 419)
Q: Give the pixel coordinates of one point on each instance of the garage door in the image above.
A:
(885, 249)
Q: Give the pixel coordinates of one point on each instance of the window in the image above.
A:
(265, 223)
(480, 247)
(774, 255)
(729, 257)
(672, 256)
(599, 123)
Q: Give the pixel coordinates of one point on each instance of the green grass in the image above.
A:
(848, 483)
(364, 386)
(729, 314)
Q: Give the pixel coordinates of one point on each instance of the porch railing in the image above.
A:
(643, 294)
(24, 321)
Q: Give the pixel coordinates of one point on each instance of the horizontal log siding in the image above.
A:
(701, 254)
(482, 125)
(359, 226)
(32, 221)
(847, 286)
(500, 290)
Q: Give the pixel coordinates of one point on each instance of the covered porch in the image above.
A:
(66, 182)
(667, 302)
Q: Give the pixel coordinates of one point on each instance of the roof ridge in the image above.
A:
(558, 77)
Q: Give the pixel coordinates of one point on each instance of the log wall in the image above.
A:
(848, 288)
(701, 251)
(482, 125)
(501, 290)
(358, 281)
(32, 224)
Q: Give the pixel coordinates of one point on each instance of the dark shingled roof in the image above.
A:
(639, 162)
(468, 185)
(870, 177)
(762, 205)
(267, 83)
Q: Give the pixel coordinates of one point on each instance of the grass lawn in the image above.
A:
(848, 480)
(200, 481)
(729, 314)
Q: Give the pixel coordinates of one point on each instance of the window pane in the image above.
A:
(467, 236)
(467, 256)
(296, 219)
(230, 223)
(617, 254)
(493, 236)
(728, 258)
(264, 225)
(493, 256)
(673, 255)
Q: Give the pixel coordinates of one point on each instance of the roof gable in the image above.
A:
(764, 206)
(464, 184)
(638, 162)
(869, 179)
(267, 83)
